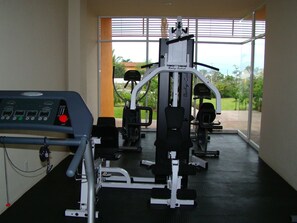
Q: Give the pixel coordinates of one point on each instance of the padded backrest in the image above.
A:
(202, 91)
(132, 75)
(206, 113)
(106, 121)
(174, 140)
(174, 120)
(174, 117)
(109, 138)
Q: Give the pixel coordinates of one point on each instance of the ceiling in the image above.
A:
(186, 8)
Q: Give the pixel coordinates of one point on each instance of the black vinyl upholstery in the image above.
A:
(132, 75)
(202, 91)
(206, 114)
(174, 141)
(106, 121)
(109, 135)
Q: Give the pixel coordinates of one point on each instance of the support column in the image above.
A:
(106, 86)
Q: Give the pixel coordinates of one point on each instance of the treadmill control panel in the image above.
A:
(34, 111)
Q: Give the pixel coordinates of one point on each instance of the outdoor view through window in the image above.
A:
(236, 47)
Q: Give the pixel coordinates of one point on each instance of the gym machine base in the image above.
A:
(53, 111)
(105, 178)
(116, 177)
(105, 148)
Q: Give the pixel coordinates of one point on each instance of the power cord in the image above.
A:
(19, 170)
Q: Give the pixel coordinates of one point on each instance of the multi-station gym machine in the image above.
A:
(175, 73)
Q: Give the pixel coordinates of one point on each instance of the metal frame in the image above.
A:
(81, 126)
(83, 210)
(124, 180)
(174, 183)
(105, 178)
(169, 68)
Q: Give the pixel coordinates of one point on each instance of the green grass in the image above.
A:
(227, 104)
(118, 113)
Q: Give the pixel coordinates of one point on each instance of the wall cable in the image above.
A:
(19, 170)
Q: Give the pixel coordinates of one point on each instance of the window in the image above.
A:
(223, 43)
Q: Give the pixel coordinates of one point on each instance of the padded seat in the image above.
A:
(174, 141)
(106, 130)
(206, 115)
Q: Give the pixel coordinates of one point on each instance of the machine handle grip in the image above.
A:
(143, 108)
(149, 65)
(180, 39)
(205, 65)
(77, 158)
(150, 111)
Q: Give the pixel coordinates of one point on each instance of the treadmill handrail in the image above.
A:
(39, 141)
(81, 143)
(77, 157)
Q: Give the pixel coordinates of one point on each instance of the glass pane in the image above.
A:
(226, 57)
(151, 98)
(257, 90)
(125, 59)
(243, 88)
(223, 56)
(221, 43)
(130, 51)
(258, 75)
(153, 54)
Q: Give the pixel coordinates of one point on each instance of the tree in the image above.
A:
(152, 96)
(258, 90)
(118, 66)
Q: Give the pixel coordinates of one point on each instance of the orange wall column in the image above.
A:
(106, 86)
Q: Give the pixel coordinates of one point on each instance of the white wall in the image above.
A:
(82, 53)
(33, 56)
(91, 57)
(279, 125)
(33, 44)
